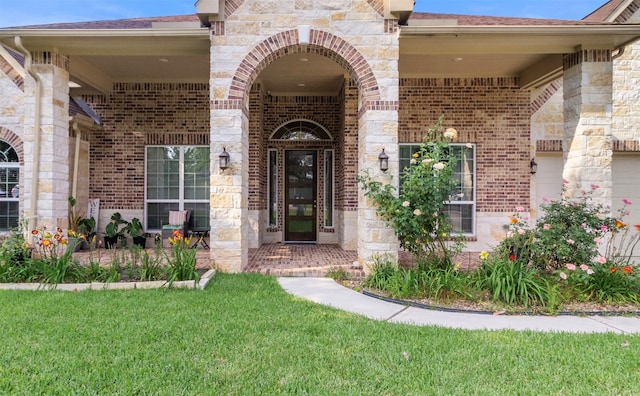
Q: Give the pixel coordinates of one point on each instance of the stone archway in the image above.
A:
(321, 43)
(375, 127)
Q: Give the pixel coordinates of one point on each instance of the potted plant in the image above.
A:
(86, 228)
(134, 229)
(114, 230)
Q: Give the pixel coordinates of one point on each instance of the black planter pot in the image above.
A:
(111, 242)
(140, 241)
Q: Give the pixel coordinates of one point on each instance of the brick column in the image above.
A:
(378, 129)
(587, 123)
(53, 168)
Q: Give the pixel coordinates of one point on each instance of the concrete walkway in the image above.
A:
(326, 291)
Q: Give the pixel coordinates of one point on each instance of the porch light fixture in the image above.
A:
(533, 165)
(384, 161)
(224, 159)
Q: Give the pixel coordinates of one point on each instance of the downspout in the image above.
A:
(28, 63)
(76, 158)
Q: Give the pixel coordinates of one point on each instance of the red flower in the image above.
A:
(627, 270)
(512, 257)
(34, 232)
(637, 227)
(613, 269)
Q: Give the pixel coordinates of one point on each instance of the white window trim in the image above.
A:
(475, 186)
(181, 200)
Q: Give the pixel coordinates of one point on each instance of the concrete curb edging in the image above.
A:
(76, 287)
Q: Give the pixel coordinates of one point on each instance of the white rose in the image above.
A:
(451, 133)
(439, 166)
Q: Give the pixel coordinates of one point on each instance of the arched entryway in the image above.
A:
(244, 123)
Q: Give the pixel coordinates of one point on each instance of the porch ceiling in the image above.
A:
(98, 58)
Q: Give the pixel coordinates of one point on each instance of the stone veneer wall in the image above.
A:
(493, 113)
(133, 116)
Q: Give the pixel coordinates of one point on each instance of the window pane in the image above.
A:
(273, 188)
(199, 216)
(328, 188)
(163, 172)
(8, 215)
(461, 217)
(196, 173)
(158, 214)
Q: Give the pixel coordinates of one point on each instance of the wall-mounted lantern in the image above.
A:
(533, 165)
(384, 161)
(224, 159)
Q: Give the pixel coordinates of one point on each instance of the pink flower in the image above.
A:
(604, 228)
(601, 259)
(594, 187)
(545, 199)
(563, 276)
(519, 209)
(546, 227)
(570, 241)
(521, 231)
(597, 240)
(584, 267)
(565, 181)
(589, 271)
(626, 201)
(571, 267)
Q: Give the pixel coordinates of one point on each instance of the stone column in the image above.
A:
(378, 129)
(53, 162)
(229, 236)
(587, 123)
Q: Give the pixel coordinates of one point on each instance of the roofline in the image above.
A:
(88, 33)
(609, 29)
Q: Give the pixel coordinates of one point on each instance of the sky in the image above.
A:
(38, 12)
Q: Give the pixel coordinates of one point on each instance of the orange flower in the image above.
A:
(513, 220)
(619, 224)
(627, 270)
(177, 235)
(45, 243)
(637, 227)
(34, 232)
(59, 230)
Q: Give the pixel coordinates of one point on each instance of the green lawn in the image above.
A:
(243, 335)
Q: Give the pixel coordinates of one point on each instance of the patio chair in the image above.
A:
(178, 220)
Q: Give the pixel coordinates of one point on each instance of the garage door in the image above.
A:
(548, 178)
(626, 185)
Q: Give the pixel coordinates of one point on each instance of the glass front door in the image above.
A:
(300, 195)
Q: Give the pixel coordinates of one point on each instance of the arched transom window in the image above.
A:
(300, 130)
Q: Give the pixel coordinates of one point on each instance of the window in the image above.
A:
(300, 130)
(461, 207)
(328, 188)
(177, 178)
(273, 188)
(9, 188)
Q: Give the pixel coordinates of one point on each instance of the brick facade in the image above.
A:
(136, 115)
(493, 113)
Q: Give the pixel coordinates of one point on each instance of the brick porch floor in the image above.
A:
(302, 260)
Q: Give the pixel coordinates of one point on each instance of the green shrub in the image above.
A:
(415, 211)
(512, 282)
